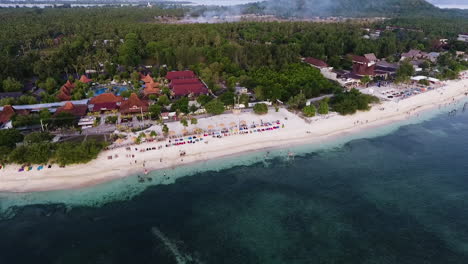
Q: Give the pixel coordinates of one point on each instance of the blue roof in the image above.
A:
(49, 105)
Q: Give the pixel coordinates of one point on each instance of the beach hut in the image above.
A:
(171, 133)
(184, 131)
(210, 127)
(243, 122)
(232, 124)
(221, 125)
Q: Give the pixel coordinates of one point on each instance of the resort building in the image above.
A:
(324, 68)
(133, 105)
(433, 56)
(151, 87)
(412, 55)
(180, 75)
(363, 66)
(319, 64)
(146, 78)
(65, 91)
(105, 102)
(169, 116)
(85, 79)
(371, 58)
(5, 117)
(86, 122)
(185, 83)
(76, 110)
(386, 67)
(463, 37)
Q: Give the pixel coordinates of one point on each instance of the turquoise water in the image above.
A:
(115, 89)
(394, 198)
(100, 91)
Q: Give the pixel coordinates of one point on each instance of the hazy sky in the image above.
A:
(235, 2)
(448, 2)
(219, 2)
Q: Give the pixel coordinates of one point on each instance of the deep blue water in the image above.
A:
(400, 198)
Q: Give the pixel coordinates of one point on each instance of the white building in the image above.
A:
(264, 102)
(463, 37)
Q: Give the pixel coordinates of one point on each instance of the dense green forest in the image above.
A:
(54, 43)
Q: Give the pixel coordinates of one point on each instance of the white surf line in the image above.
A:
(179, 257)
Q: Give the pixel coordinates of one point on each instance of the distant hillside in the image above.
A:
(308, 8)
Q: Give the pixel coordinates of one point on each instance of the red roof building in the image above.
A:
(85, 79)
(133, 105)
(105, 102)
(189, 89)
(316, 62)
(180, 75)
(363, 66)
(104, 107)
(69, 107)
(6, 114)
(185, 83)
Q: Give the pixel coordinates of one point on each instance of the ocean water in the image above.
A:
(395, 198)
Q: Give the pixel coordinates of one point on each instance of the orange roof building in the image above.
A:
(133, 105)
(6, 114)
(106, 98)
(66, 91)
(69, 85)
(151, 88)
(147, 78)
(69, 107)
(85, 79)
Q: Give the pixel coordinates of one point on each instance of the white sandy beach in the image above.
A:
(295, 131)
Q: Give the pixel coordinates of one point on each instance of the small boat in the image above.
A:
(146, 172)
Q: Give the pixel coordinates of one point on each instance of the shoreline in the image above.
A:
(295, 133)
